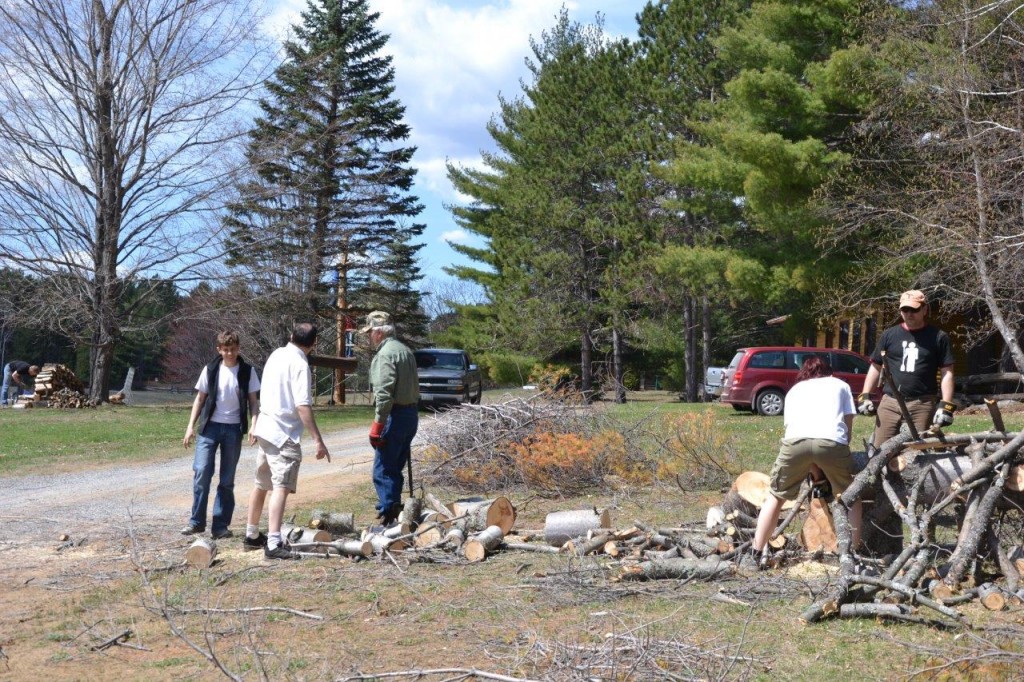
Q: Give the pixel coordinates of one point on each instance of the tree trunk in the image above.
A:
(483, 543)
(620, 388)
(586, 361)
(690, 350)
(705, 330)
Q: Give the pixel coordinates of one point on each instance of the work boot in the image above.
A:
(389, 516)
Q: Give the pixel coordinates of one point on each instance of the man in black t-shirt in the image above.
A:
(16, 373)
(915, 354)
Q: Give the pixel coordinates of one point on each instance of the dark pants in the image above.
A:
(889, 417)
(229, 438)
(390, 459)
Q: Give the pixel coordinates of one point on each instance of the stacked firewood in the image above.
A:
(54, 378)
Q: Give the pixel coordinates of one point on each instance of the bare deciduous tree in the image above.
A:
(116, 118)
(934, 191)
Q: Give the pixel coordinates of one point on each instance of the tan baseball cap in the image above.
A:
(913, 299)
(378, 318)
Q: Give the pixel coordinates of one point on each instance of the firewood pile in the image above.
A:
(68, 399)
(54, 378)
(57, 386)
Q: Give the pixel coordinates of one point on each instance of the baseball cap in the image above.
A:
(913, 299)
(378, 318)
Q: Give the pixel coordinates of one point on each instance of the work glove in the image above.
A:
(944, 414)
(865, 405)
(377, 435)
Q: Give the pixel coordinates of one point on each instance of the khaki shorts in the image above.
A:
(278, 467)
(889, 418)
(796, 455)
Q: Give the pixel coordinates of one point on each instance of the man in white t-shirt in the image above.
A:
(819, 420)
(222, 410)
(286, 409)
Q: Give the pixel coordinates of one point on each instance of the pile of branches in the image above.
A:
(476, 446)
(910, 481)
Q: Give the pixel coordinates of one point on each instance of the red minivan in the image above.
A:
(758, 378)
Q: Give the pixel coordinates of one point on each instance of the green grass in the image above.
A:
(42, 439)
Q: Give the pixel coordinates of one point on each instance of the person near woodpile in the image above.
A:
(818, 417)
(286, 410)
(226, 397)
(396, 395)
(16, 374)
(915, 353)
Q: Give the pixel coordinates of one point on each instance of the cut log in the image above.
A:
(818, 531)
(454, 538)
(335, 523)
(561, 527)
(299, 535)
(753, 486)
(483, 543)
(992, 598)
(201, 553)
(482, 514)
(382, 544)
(530, 547)
(411, 512)
(428, 536)
(678, 569)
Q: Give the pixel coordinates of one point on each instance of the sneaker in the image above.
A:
(259, 542)
(279, 552)
(193, 530)
(222, 535)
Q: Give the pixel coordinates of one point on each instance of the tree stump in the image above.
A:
(201, 553)
(818, 531)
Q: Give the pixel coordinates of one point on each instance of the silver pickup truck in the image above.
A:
(713, 380)
(447, 377)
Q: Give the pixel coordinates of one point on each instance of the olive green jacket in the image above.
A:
(393, 378)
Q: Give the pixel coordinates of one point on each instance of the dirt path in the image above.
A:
(95, 504)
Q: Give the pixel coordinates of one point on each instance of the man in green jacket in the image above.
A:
(396, 396)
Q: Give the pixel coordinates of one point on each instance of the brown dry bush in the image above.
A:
(695, 455)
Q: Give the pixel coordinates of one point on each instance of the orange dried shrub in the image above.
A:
(559, 463)
(696, 455)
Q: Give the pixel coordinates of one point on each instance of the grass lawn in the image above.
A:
(37, 440)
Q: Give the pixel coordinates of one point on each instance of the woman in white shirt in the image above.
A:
(819, 419)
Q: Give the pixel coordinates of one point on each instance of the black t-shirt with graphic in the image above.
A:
(914, 359)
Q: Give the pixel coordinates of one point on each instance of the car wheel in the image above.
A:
(479, 395)
(770, 402)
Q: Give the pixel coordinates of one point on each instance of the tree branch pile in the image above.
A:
(548, 445)
(974, 479)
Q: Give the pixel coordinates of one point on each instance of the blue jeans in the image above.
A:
(8, 385)
(229, 438)
(389, 460)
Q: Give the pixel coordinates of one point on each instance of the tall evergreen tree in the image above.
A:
(328, 199)
(559, 203)
(768, 145)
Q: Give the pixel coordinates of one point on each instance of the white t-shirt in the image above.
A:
(815, 409)
(227, 410)
(286, 386)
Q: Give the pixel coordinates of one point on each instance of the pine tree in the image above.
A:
(328, 198)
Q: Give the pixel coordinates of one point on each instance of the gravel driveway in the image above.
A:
(95, 503)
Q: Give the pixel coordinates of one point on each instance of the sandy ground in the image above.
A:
(95, 507)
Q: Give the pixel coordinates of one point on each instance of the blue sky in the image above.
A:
(452, 58)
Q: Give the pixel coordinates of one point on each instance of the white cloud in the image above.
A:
(457, 237)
